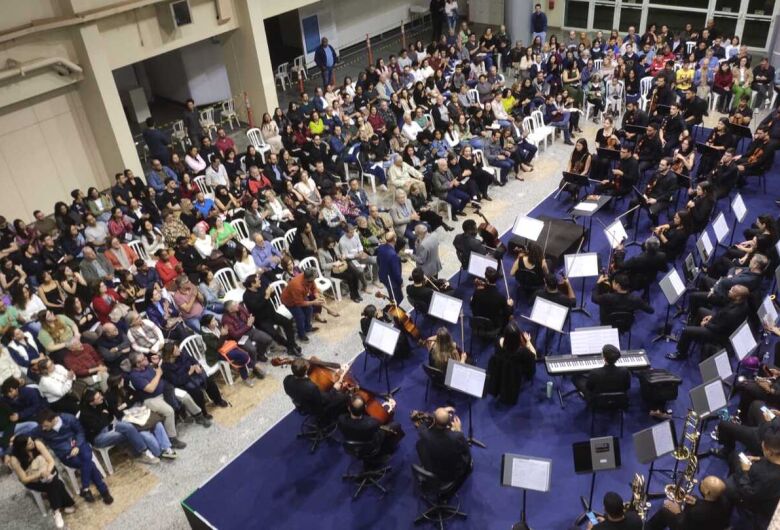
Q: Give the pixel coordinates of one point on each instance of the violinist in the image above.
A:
(488, 302)
(307, 396)
(741, 114)
(614, 296)
(422, 288)
(634, 116)
(648, 150)
(560, 293)
(442, 348)
(672, 126)
(724, 176)
(760, 154)
(357, 426)
(684, 157)
(370, 312)
(643, 268)
(662, 95)
(529, 269)
(579, 164)
(625, 175)
(720, 139)
(468, 242)
(700, 205)
(658, 193)
(444, 450)
(673, 236)
(606, 138)
(694, 108)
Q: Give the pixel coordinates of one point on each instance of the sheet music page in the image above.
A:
(590, 341)
(531, 474)
(743, 341)
(583, 265)
(716, 398)
(445, 307)
(720, 227)
(767, 313)
(672, 286)
(616, 233)
(478, 263)
(528, 227)
(549, 314)
(738, 207)
(585, 206)
(467, 379)
(662, 438)
(722, 365)
(382, 336)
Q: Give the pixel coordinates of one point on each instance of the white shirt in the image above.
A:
(204, 246)
(56, 384)
(245, 269)
(196, 164)
(411, 130)
(217, 177)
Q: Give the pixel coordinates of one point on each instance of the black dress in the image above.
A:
(507, 370)
(54, 489)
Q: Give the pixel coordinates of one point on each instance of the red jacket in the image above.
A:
(79, 362)
(167, 270)
(723, 80)
(102, 307)
(236, 323)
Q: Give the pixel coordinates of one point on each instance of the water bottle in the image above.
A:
(549, 389)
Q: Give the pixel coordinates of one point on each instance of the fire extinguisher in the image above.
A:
(551, 5)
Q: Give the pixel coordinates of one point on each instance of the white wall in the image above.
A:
(204, 67)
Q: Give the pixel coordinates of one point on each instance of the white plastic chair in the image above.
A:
(103, 452)
(618, 104)
(279, 244)
(282, 75)
(645, 86)
(195, 346)
(139, 249)
(256, 139)
(203, 186)
(179, 134)
(207, 120)
(597, 64)
(229, 282)
(229, 113)
(689, 46)
(482, 160)
(714, 98)
(473, 96)
(276, 298)
(323, 283)
(546, 131)
(429, 119)
(289, 236)
(71, 473)
(774, 99)
(299, 67)
(531, 135)
(243, 233)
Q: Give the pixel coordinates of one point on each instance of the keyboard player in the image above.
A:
(608, 378)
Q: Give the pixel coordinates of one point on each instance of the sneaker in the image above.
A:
(148, 458)
(59, 522)
(107, 498)
(248, 382)
(222, 403)
(169, 454)
(86, 494)
(69, 509)
(202, 420)
(177, 444)
(676, 356)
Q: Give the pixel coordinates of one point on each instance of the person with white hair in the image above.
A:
(402, 175)
(426, 251)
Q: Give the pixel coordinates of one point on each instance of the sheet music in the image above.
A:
(589, 341)
(528, 227)
(722, 365)
(720, 227)
(531, 474)
(445, 307)
(586, 206)
(465, 378)
(767, 313)
(616, 233)
(704, 246)
(738, 207)
(716, 398)
(549, 314)
(583, 265)
(662, 438)
(479, 262)
(743, 341)
(382, 336)
(672, 286)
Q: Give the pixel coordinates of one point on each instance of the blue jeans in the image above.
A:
(156, 440)
(302, 316)
(194, 323)
(122, 432)
(327, 75)
(504, 165)
(458, 199)
(542, 34)
(564, 126)
(21, 428)
(89, 472)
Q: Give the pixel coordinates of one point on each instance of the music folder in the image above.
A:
(690, 270)
(654, 442)
(382, 336)
(767, 312)
(672, 286)
(704, 246)
(465, 378)
(636, 129)
(743, 341)
(740, 130)
(582, 265)
(608, 154)
(716, 366)
(575, 178)
(720, 227)
(708, 397)
(478, 263)
(445, 307)
(738, 207)
(705, 149)
(528, 227)
(663, 110)
(526, 472)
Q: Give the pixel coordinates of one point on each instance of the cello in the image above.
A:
(488, 232)
(401, 318)
(325, 375)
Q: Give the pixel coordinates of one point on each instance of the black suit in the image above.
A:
(663, 187)
(491, 304)
(445, 453)
(610, 302)
(642, 269)
(717, 330)
(603, 380)
(712, 515)
(306, 396)
(422, 294)
(649, 152)
(723, 178)
(367, 429)
(758, 489)
(464, 245)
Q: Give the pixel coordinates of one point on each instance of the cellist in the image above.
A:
(370, 312)
(308, 397)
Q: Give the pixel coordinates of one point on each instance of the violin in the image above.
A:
(401, 318)
(325, 374)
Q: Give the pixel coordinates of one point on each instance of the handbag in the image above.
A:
(142, 418)
(118, 312)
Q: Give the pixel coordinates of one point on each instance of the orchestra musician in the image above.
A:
(763, 242)
(625, 175)
(742, 113)
(634, 116)
(579, 164)
(671, 128)
(513, 362)
(648, 150)
(662, 95)
(719, 139)
(422, 288)
(613, 296)
(529, 269)
(759, 157)
(307, 396)
(615, 515)
(764, 389)
(700, 205)
(560, 293)
(684, 156)
(443, 449)
(468, 242)
(712, 510)
(643, 268)
(608, 378)
(658, 192)
(725, 175)
(714, 292)
(370, 312)
(488, 302)
(694, 108)
(748, 432)
(606, 138)
(357, 426)
(673, 235)
(442, 348)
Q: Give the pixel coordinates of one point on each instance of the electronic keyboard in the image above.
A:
(572, 364)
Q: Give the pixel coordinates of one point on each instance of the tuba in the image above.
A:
(638, 502)
(686, 451)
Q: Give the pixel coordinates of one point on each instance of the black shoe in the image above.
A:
(293, 352)
(107, 498)
(313, 329)
(447, 227)
(487, 197)
(676, 356)
(568, 142)
(263, 358)
(720, 452)
(207, 415)
(356, 299)
(303, 339)
(177, 444)
(86, 494)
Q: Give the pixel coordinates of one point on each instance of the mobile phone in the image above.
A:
(744, 459)
(592, 518)
(768, 412)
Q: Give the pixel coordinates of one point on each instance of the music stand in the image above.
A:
(705, 247)
(609, 154)
(469, 380)
(706, 150)
(383, 337)
(445, 307)
(548, 315)
(642, 204)
(591, 340)
(572, 179)
(663, 110)
(526, 473)
(615, 233)
(741, 132)
(636, 129)
(673, 288)
(527, 227)
(585, 265)
(740, 210)
(653, 443)
(587, 209)
(478, 263)
(708, 397)
(597, 454)
(717, 366)
(743, 342)
(720, 228)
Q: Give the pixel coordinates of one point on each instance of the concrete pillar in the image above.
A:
(517, 17)
(103, 107)
(774, 44)
(247, 61)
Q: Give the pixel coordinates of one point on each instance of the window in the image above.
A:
(729, 6)
(727, 27)
(696, 4)
(676, 20)
(756, 6)
(603, 16)
(577, 14)
(629, 17)
(756, 32)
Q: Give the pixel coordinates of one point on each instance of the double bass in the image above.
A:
(325, 374)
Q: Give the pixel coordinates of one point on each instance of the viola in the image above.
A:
(401, 318)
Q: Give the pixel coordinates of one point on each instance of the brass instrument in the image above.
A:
(638, 502)
(686, 451)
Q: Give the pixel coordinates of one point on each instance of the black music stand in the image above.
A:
(707, 150)
(587, 209)
(383, 338)
(690, 274)
(740, 210)
(613, 155)
(653, 443)
(584, 266)
(642, 206)
(572, 179)
(469, 380)
(639, 130)
(525, 473)
(597, 454)
(673, 288)
(741, 132)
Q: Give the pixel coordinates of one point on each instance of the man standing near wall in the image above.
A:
(325, 58)
(192, 122)
(538, 24)
(437, 18)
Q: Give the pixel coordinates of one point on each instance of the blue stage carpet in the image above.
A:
(277, 484)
